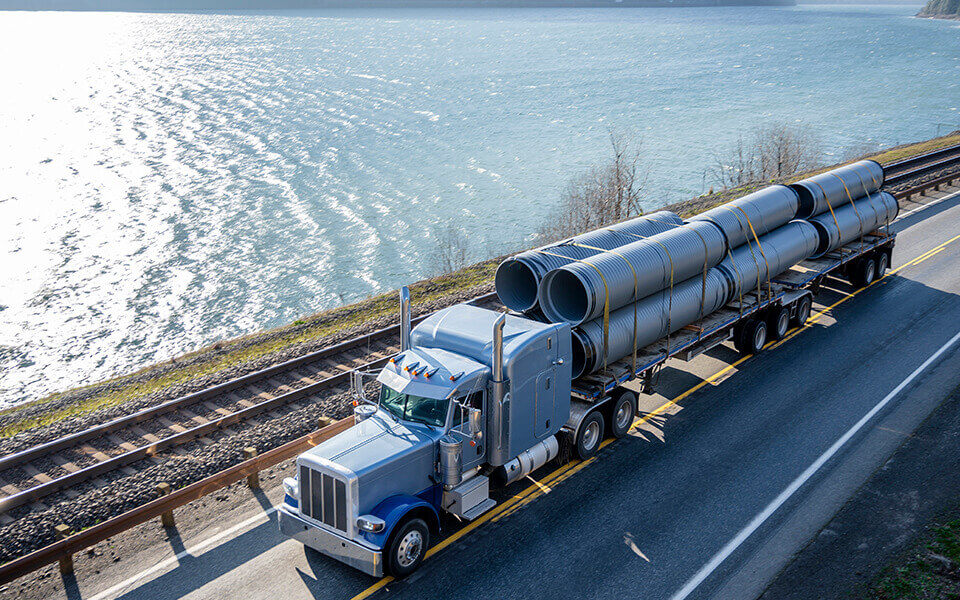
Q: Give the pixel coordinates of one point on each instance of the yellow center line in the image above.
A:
(537, 489)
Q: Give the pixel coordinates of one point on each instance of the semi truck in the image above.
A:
(477, 399)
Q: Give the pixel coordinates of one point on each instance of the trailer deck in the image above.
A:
(716, 328)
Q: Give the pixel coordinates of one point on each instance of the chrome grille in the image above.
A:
(323, 498)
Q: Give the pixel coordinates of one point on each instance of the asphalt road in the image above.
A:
(655, 509)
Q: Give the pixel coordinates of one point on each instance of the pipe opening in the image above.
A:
(578, 361)
(807, 204)
(564, 298)
(516, 285)
(823, 238)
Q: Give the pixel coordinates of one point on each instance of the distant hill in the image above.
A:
(216, 5)
(949, 9)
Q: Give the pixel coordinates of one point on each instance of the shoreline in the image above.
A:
(230, 358)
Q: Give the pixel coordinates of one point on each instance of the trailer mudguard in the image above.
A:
(394, 509)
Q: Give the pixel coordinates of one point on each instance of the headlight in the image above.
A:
(291, 488)
(371, 523)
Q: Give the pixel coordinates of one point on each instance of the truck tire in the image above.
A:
(590, 435)
(883, 261)
(779, 323)
(864, 272)
(804, 305)
(753, 337)
(623, 407)
(407, 547)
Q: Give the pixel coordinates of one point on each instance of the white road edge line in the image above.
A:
(213, 540)
(771, 508)
(927, 205)
(192, 551)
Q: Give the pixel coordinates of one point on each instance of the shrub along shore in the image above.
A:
(231, 358)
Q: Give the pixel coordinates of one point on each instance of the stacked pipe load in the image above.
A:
(582, 291)
(754, 214)
(518, 278)
(654, 317)
(854, 220)
(828, 191)
(755, 263)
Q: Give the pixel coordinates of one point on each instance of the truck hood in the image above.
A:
(389, 457)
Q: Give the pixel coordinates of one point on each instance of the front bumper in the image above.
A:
(345, 550)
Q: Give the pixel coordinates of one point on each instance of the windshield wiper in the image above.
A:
(416, 420)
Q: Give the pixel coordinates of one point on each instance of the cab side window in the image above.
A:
(474, 400)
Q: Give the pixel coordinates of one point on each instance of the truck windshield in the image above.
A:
(414, 408)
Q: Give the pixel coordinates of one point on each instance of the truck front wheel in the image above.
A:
(589, 435)
(407, 548)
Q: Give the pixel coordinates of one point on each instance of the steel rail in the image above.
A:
(88, 537)
(926, 169)
(17, 458)
(909, 163)
(75, 543)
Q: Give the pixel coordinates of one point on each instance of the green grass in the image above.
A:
(929, 573)
(241, 350)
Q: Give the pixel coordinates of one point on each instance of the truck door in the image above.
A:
(545, 402)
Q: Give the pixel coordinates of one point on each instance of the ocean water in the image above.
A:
(167, 180)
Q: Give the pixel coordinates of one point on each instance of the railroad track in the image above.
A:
(919, 166)
(388, 336)
(32, 474)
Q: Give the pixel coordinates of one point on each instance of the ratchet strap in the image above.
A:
(855, 209)
(606, 303)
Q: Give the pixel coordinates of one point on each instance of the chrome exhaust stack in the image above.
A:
(404, 319)
(499, 403)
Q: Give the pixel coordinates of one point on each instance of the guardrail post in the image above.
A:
(166, 519)
(324, 421)
(66, 562)
(253, 480)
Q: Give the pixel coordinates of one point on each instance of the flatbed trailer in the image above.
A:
(792, 290)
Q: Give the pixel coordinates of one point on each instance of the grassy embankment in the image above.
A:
(230, 353)
(931, 571)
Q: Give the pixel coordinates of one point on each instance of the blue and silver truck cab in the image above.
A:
(473, 395)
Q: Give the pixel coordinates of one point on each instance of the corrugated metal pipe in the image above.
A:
(578, 292)
(518, 278)
(833, 189)
(656, 315)
(754, 214)
(753, 264)
(854, 220)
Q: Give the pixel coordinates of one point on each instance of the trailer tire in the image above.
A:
(590, 435)
(864, 272)
(779, 323)
(407, 547)
(804, 305)
(883, 261)
(623, 408)
(754, 337)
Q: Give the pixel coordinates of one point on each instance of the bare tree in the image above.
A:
(602, 195)
(452, 252)
(774, 152)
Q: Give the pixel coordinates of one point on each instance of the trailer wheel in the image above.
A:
(803, 311)
(864, 272)
(883, 261)
(589, 435)
(754, 337)
(779, 323)
(407, 548)
(623, 408)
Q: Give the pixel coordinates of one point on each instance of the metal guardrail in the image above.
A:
(75, 543)
(111, 527)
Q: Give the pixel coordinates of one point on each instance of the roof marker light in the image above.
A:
(412, 367)
(457, 376)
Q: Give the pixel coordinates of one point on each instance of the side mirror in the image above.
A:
(356, 381)
(475, 418)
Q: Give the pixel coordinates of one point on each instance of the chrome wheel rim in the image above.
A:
(623, 415)
(410, 547)
(871, 272)
(783, 323)
(759, 338)
(590, 435)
